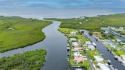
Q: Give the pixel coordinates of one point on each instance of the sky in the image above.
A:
(60, 8)
(62, 3)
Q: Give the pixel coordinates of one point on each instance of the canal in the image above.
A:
(103, 50)
(56, 45)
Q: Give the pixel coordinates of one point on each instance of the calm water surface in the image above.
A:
(55, 44)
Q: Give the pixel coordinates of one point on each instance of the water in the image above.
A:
(107, 55)
(55, 44)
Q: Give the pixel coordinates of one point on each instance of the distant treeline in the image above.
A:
(92, 23)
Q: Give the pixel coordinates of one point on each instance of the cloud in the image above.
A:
(63, 3)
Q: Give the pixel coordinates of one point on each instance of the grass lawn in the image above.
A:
(92, 53)
(26, 32)
(66, 30)
(32, 60)
(116, 51)
(119, 52)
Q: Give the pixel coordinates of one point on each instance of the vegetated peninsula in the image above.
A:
(31, 60)
(16, 32)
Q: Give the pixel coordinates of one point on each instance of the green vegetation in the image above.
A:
(66, 30)
(93, 23)
(18, 32)
(31, 60)
(92, 53)
(84, 63)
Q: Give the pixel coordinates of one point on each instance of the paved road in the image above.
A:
(107, 55)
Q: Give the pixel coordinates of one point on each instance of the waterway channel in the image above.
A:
(56, 45)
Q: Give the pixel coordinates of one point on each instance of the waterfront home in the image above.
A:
(103, 66)
(73, 33)
(73, 39)
(80, 42)
(106, 31)
(88, 43)
(113, 28)
(98, 58)
(118, 40)
(93, 43)
(78, 59)
(91, 47)
(75, 44)
(123, 43)
(96, 33)
(77, 54)
(110, 43)
(76, 68)
(77, 48)
(121, 29)
(123, 57)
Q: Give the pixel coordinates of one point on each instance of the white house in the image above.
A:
(88, 43)
(75, 44)
(73, 39)
(73, 33)
(10, 28)
(91, 47)
(121, 29)
(80, 22)
(98, 58)
(106, 31)
(103, 66)
(77, 54)
(93, 43)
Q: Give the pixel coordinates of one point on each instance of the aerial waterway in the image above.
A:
(55, 44)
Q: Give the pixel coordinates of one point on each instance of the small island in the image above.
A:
(31, 60)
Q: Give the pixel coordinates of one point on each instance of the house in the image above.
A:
(103, 66)
(76, 68)
(77, 54)
(80, 22)
(75, 44)
(121, 29)
(78, 59)
(93, 43)
(98, 58)
(73, 39)
(80, 42)
(10, 28)
(118, 40)
(123, 43)
(91, 47)
(123, 57)
(113, 45)
(88, 43)
(73, 33)
(106, 31)
(77, 48)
